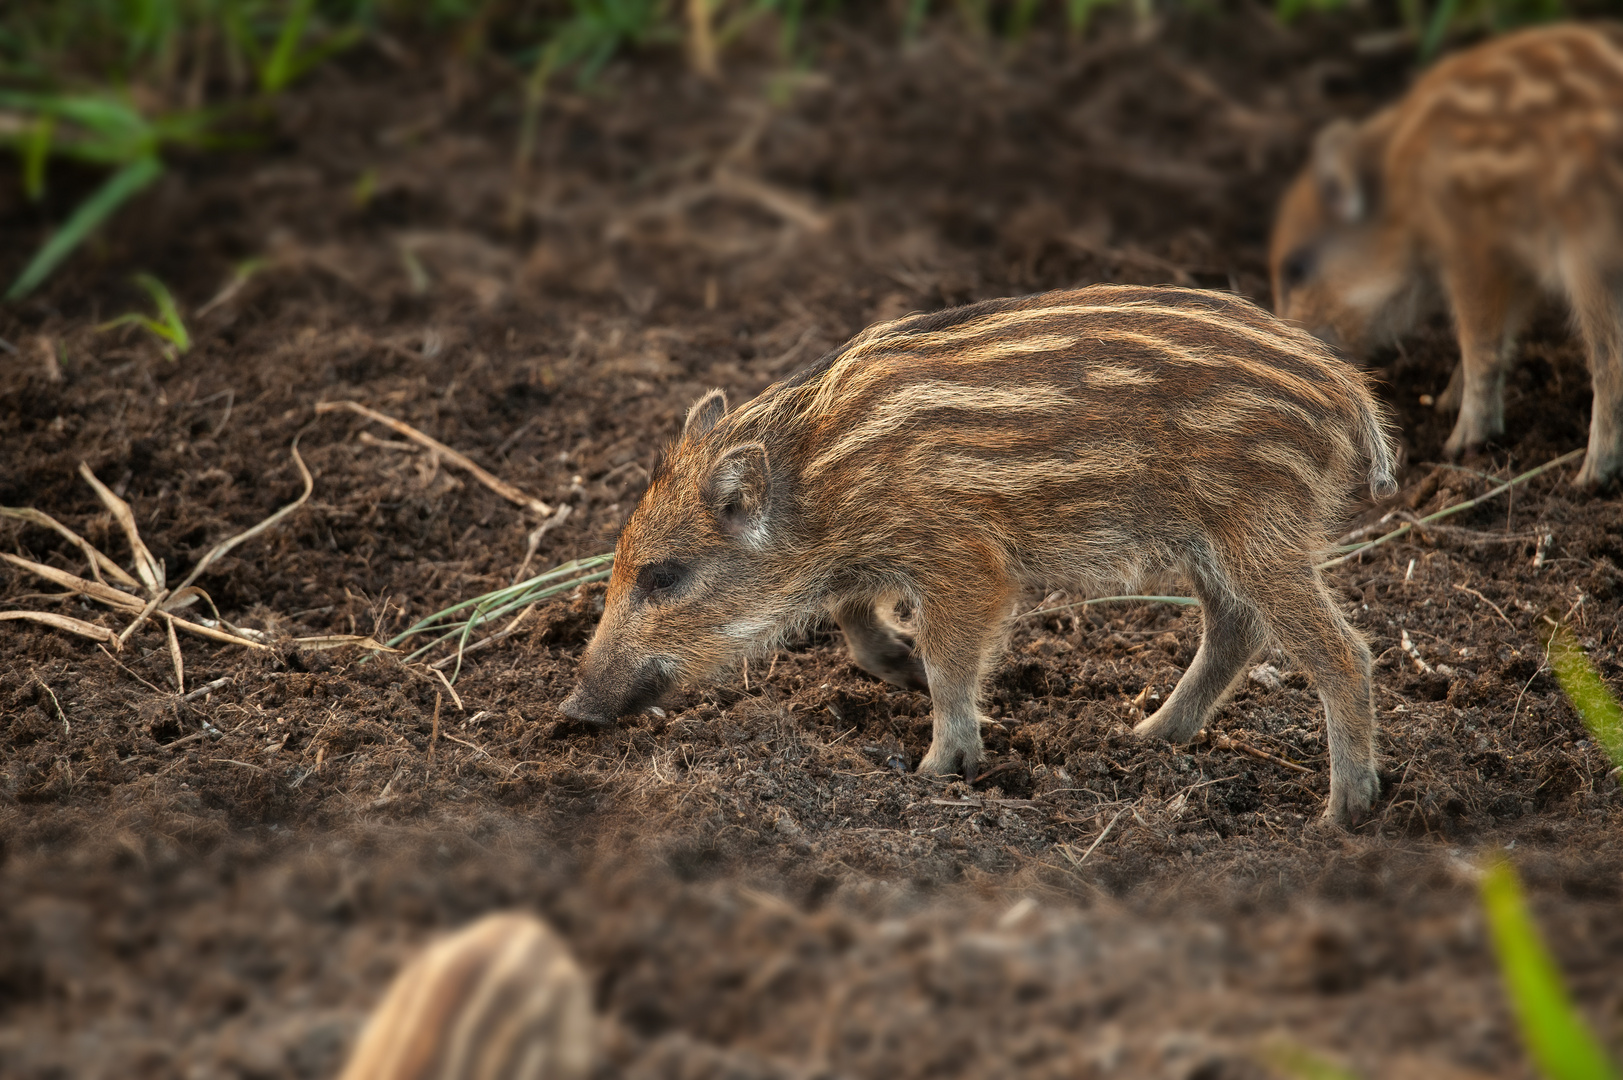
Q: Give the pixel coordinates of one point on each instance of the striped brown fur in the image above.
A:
(1497, 179)
(499, 1000)
(1084, 439)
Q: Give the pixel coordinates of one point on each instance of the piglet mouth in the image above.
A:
(600, 706)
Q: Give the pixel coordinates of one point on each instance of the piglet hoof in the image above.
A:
(1165, 725)
(938, 762)
(1350, 800)
(1595, 477)
(1458, 446)
(1468, 441)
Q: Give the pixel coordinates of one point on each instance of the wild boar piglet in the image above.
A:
(499, 1000)
(1496, 180)
(1083, 440)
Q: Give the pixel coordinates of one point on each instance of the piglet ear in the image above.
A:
(1344, 176)
(705, 414)
(739, 490)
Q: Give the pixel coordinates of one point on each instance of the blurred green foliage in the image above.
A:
(1591, 698)
(1556, 1036)
(115, 83)
(118, 82)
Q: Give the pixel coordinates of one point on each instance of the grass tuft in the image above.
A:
(168, 327)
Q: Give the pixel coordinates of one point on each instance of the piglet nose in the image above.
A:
(574, 706)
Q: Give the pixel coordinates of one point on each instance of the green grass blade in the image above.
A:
(1560, 1043)
(1437, 29)
(278, 69)
(913, 23)
(1591, 698)
(173, 328)
(115, 192)
(99, 112)
(313, 58)
(36, 151)
(543, 584)
(1022, 14)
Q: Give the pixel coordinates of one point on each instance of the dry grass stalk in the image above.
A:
(1223, 742)
(65, 622)
(450, 690)
(160, 601)
(534, 542)
(1456, 508)
(499, 486)
(99, 563)
(150, 569)
(174, 657)
(323, 642)
(702, 39)
(218, 551)
(1077, 862)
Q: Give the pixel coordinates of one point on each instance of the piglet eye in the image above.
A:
(1296, 267)
(660, 577)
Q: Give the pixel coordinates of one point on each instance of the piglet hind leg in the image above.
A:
(1598, 304)
(878, 648)
(958, 637)
(1313, 632)
(1491, 304)
(1230, 635)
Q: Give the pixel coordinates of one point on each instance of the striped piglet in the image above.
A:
(1085, 439)
(499, 1000)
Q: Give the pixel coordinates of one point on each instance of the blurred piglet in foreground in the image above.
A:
(499, 1000)
(1084, 440)
(1497, 179)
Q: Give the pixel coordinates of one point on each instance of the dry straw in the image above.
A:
(144, 595)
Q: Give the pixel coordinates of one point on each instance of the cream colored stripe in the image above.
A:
(905, 405)
(1284, 457)
(510, 956)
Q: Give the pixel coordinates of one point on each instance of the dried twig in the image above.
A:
(1100, 838)
(1455, 509)
(701, 39)
(499, 486)
(129, 671)
(434, 736)
(206, 689)
(557, 519)
(66, 727)
(1496, 608)
(1224, 742)
(123, 601)
(140, 620)
(1414, 654)
(322, 642)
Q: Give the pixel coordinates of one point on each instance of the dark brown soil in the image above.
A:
(222, 886)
